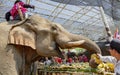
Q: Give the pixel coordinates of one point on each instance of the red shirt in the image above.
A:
(70, 60)
(58, 60)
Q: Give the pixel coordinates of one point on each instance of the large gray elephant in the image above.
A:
(24, 42)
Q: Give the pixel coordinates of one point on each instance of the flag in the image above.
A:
(116, 34)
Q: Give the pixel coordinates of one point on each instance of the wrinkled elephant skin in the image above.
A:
(24, 42)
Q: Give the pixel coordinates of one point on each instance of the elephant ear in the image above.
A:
(22, 36)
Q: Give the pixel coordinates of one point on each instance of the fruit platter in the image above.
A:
(103, 68)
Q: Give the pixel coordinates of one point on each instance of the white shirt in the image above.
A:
(47, 62)
(113, 60)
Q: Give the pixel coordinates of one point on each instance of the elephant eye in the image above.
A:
(54, 28)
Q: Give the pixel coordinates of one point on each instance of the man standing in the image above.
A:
(115, 55)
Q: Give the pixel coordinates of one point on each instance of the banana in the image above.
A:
(108, 67)
(96, 58)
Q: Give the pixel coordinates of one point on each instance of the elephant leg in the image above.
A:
(34, 68)
(27, 69)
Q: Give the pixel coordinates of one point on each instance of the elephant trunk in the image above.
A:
(80, 41)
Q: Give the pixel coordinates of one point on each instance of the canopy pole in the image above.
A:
(107, 27)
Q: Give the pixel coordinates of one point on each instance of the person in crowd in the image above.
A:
(84, 57)
(47, 61)
(14, 11)
(69, 54)
(75, 58)
(58, 60)
(80, 58)
(65, 57)
(115, 55)
(69, 60)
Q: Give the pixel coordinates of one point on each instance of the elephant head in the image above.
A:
(47, 37)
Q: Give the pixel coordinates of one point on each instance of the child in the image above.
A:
(14, 11)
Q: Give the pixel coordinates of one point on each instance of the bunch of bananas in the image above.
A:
(106, 67)
(96, 58)
(103, 67)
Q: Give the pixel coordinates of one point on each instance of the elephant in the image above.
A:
(24, 42)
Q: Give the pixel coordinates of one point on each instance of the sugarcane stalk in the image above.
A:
(20, 12)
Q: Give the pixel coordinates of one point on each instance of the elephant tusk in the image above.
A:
(76, 43)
